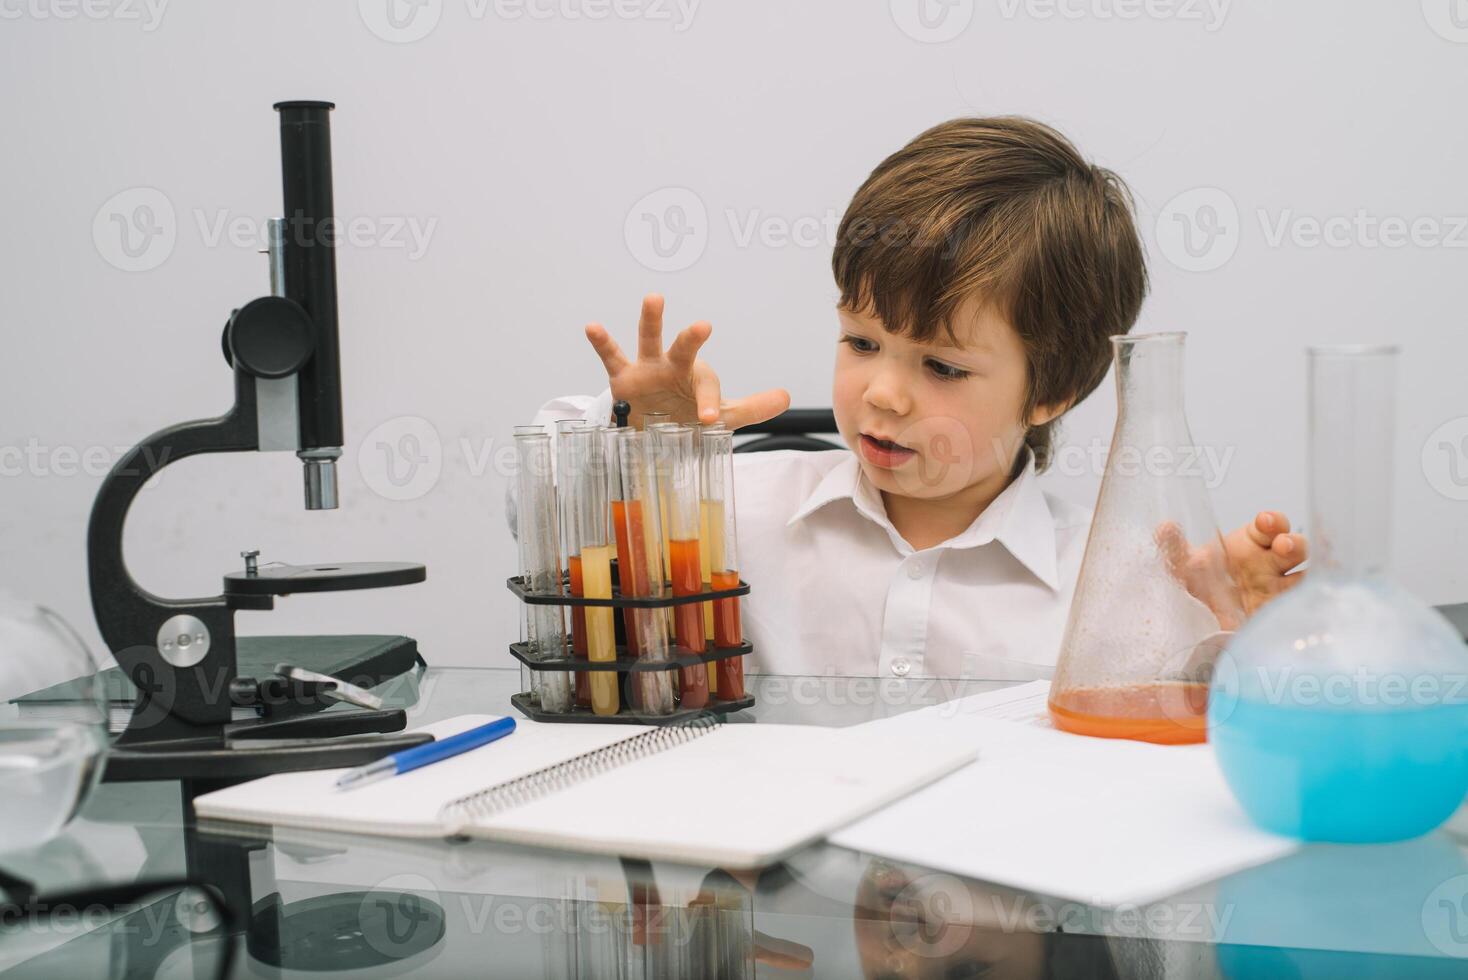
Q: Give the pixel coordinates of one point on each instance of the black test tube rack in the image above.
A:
(625, 665)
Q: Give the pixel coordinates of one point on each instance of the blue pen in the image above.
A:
(423, 755)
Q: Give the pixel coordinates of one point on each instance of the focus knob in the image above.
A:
(269, 337)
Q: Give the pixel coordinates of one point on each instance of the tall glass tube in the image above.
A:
(590, 504)
(529, 679)
(641, 570)
(683, 528)
(723, 559)
(540, 556)
(568, 466)
(1352, 402)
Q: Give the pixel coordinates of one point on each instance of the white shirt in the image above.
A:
(835, 589)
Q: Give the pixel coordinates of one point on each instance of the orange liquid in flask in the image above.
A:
(1168, 713)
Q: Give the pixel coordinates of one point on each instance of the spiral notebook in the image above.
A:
(727, 795)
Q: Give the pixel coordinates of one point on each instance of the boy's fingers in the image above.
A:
(1289, 550)
(684, 348)
(606, 348)
(1267, 524)
(1173, 546)
(650, 328)
(756, 408)
(706, 394)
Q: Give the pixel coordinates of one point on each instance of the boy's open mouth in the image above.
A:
(884, 452)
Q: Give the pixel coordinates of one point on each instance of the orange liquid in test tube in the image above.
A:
(705, 554)
(728, 632)
(629, 566)
(578, 633)
(688, 628)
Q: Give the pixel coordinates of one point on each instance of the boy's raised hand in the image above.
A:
(1258, 558)
(676, 381)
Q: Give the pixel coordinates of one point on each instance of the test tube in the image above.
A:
(618, 499)
(686, 565)
(718, 500)
(664, 470)
(540, 556)
(641, 567)
(590, 504)
(568, 466)
(529, 679)
(704, 549)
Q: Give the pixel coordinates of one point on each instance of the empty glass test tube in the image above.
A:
(529, 679)
(540, 557)
(640, 563)
(568, 465)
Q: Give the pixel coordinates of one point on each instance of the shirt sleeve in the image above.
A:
(596, 409)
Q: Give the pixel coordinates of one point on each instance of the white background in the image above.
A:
(523, 149)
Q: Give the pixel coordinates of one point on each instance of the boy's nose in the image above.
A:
(887, 394)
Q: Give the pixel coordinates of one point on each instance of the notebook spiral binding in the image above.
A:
(487, 803)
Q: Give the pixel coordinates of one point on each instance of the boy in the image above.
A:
(982, 269)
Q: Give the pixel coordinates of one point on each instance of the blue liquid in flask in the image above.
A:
(1348, 774)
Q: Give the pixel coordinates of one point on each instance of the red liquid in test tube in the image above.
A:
(688, 627)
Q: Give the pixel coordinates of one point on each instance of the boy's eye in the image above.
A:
(859, 344)
(947, 371)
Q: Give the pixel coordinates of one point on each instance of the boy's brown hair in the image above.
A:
(1005, 208)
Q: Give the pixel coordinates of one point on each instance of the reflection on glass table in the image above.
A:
(314, 901)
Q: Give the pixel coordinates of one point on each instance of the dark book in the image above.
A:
(362, 660)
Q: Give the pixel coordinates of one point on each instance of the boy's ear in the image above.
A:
(1043, 414)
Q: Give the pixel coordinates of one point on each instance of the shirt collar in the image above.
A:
(1019, 518)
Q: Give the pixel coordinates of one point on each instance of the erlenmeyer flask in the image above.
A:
(1155, 602)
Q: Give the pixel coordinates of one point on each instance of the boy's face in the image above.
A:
(956, 412)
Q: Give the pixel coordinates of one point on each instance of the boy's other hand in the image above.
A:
(1261, 555)
(1257, 558)
(676, 381)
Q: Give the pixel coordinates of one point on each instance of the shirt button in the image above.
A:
(901, 666)
(915, 570)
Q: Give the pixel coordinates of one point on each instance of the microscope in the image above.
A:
(196, 717)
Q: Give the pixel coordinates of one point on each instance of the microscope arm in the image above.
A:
(135, 622)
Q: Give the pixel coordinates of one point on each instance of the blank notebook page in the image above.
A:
(742, 796)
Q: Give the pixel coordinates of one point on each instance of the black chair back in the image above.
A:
(793, 429)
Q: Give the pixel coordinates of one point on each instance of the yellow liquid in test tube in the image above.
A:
(601, 635)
